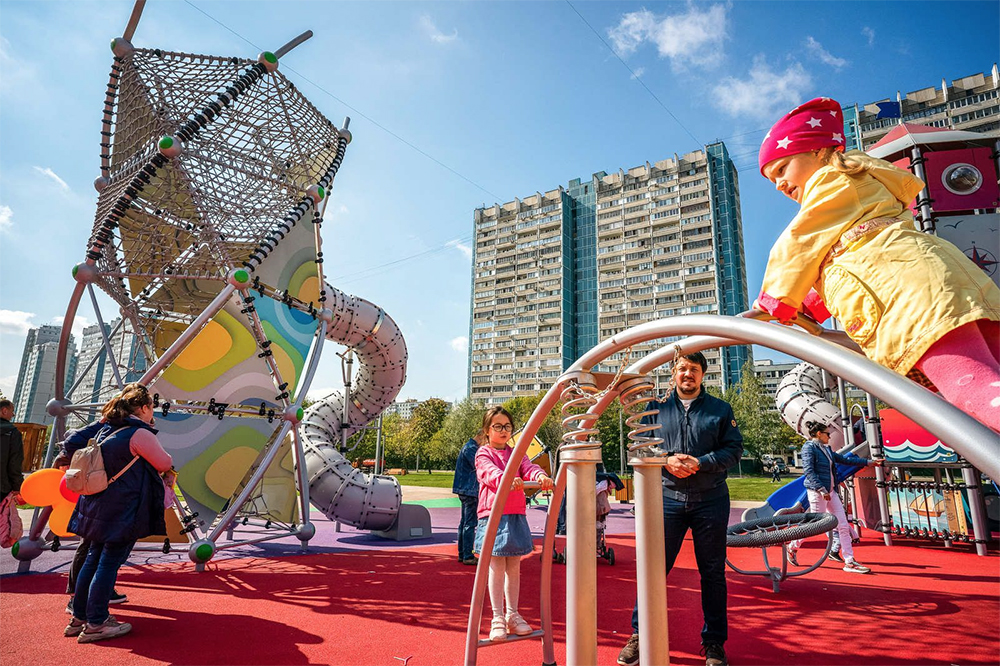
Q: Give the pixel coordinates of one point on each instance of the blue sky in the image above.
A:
(453, 105)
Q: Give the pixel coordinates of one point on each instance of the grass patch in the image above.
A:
(427, 480)
(754, 488)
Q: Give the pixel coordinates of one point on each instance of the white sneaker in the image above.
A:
(516, 624)
(853, 566)
(498, 629)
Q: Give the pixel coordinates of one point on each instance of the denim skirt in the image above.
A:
(513, 536)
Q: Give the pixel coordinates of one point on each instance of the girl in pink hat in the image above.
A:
(912, 301)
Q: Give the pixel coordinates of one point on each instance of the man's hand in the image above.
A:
(682, 465)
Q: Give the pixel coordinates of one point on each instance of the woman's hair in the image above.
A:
(836, 159)
(813, 427)
(484, 433)
(132, 398)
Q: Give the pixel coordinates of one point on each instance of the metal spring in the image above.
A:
(635, 393)
(579, 395)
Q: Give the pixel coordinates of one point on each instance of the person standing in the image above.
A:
(821, 486)
(466, 486)
(11, 453)
(130, 508)
(702, 441)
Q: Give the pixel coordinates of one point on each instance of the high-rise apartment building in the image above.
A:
(98, 381)
(36, 383)
(556, 273)
(971, 103)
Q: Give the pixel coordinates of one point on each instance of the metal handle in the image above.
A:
(810, 326)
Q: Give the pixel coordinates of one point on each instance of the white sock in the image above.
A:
(498, 568)
(512, 588)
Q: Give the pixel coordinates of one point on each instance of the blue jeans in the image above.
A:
(467, 526)
(96, 580)
(708, 521)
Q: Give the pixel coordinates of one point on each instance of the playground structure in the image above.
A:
(215, 173)
(585, 396)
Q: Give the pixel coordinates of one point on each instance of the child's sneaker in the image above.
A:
(498, 629)
(516, 624)
(74, 627)
(836, 556)
(853, 566)
(793, 558)
(110, 628)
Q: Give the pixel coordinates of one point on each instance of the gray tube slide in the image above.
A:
(341, 492)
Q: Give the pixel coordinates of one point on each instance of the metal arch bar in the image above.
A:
(292, 44)
(104, 335)
(76, 384)
(133, 20)
(64, 335)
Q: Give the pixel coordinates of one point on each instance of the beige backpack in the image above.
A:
(86, 474)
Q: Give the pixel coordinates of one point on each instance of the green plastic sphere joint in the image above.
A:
(121, 47)
(316, 192)
(293, 414)
(169, 147)
(269, 60)
(239, 278)
(201, 551)
(84, 273)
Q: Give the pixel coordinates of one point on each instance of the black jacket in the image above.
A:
(707, 431)
(12, 457)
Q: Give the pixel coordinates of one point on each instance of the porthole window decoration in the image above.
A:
(962, 178)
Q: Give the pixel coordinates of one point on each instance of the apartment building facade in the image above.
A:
(36, 377)
(97, 379)
(556, 273)
(971, 103)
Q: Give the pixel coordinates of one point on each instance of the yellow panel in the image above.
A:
(210, 345)
(225, 473)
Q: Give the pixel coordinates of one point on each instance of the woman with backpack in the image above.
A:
(130, 508)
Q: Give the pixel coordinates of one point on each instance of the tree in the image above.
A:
(762, 429)
(427, 419)
(551, 430)
(463, 421)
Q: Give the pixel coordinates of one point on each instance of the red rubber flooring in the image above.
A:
(408, 607)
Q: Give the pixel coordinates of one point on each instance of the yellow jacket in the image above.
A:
(895, 290)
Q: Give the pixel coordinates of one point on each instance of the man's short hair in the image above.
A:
(813, 427)
(697, 357)
(5, 403)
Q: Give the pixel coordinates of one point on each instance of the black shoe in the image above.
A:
(470, 560)
(629, 656)
(714, 654)
(835, 556)
(117, 598)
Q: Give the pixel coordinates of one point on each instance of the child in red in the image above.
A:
(513, 536)
(911, 300)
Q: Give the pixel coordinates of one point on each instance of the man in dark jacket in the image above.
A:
(701, 441)
(466, 486)
(11, 453)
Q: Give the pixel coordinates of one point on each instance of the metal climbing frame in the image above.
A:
(973, 440)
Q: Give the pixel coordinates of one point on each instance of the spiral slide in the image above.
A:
(340, 491)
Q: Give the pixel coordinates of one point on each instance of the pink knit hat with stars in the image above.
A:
(819, 123)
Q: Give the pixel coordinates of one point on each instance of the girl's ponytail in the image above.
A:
(836, 159)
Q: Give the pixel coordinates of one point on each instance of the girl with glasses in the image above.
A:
(513, 538)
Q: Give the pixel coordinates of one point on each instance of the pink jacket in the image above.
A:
(490, 464)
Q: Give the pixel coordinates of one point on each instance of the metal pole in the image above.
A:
(347, 361)
(873, 433)
(581, 563)
(651, 563)
(378, 445)
(924, 198)
(979, 530)
(621, 441)
(104, 335)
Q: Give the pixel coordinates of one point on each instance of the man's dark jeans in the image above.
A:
(708, 521)
(467, 526)
(96, 580)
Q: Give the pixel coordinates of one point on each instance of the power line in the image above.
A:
(641, 82)
(352, 108)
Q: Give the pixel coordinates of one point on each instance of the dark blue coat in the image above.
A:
(707, 431)
(132, 507)
(466, 482)
(818, 467)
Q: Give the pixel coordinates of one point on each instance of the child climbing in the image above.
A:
(912, 301)
(513, 538)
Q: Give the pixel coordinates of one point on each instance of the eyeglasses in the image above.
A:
(506, 427)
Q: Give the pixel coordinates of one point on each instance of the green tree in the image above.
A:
(427, 419)
(762, 429)
(393, 442)
(462, 422)
(551, 430)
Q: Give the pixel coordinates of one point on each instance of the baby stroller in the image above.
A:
(607, 482)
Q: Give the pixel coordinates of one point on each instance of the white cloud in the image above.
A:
(692, 37)
(869, 35)
(765, 94)
(6, 218)
(638, 72)
(320, 393)
(461, 247)
(817, 50)
(460, 344)
(49, 173)
(7, 386)
(427, 25)
(16, 322)
(79, 323)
